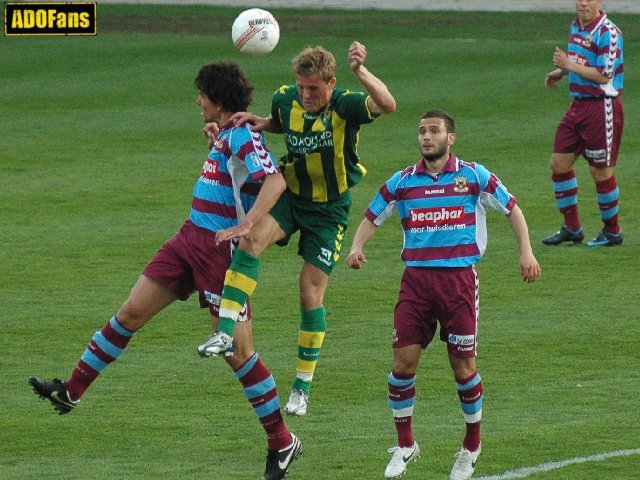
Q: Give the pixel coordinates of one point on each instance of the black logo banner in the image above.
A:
(63, 18)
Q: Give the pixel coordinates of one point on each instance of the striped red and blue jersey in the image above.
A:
(599, 44)
(443, 216)
(231, 178)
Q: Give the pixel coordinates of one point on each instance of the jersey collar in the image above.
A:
(452, 165)
(593, 23)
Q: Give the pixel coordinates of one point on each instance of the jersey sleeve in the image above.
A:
(608, 45)
(383, 205)
(251, 148)
(352, 106)
(276, 100)
(493, 193)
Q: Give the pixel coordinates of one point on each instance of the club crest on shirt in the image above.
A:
(461, 185)
(587, 41)
(325, 117)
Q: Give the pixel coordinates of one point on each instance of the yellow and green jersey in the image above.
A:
(322, 159)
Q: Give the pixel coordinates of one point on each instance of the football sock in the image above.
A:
(402, 398)
(565, 187)
(313, 325)
(471, 397)
(239, 283)
(260, 389)
(608, 195)
(105, 347)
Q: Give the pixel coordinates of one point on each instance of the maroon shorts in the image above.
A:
(192, 261)
(429, 296)
(592, 128)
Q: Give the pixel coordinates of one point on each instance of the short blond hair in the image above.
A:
(315, 60)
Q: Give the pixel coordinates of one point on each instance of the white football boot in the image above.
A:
(297, 403)
(401, 457)
(219, 344)
(464, 465)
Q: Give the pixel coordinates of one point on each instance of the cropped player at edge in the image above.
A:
(442, 202)
(321, 126)
(592, 125)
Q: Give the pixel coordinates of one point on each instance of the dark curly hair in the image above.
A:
(225, 84)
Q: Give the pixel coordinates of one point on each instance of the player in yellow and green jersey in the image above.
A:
(321, 163)
(321, 126)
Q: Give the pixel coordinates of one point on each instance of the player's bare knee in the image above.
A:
(132, 317)
(601, 174)
(462, 367)
(252, 244)
(265, 233)
(561, 162)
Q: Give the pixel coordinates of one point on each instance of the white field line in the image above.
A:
(546, 467)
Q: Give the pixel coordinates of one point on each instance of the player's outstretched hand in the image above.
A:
(211, 131)
(356, 260)
(551, 80)
(255, 122)
(529, 268)
(234, 232)
(357, 55)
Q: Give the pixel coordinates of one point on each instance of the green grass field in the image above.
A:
(101, 145)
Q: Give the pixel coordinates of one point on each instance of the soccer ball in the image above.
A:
(255, 32)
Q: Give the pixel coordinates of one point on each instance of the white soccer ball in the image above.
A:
(255, 31)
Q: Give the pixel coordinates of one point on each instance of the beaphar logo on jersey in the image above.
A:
(50, 18)
(427, 217)
(210, 169)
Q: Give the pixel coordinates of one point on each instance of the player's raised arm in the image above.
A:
(380, 100)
